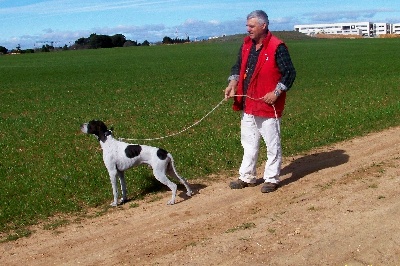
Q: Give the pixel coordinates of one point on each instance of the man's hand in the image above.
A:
(270, 98)
(231, 89)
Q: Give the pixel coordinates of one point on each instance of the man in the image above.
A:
(259, 81)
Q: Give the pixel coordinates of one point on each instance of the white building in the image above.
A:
(395, 28)
(381, 28)
(351, 28)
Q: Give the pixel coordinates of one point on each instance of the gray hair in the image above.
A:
(260, 15)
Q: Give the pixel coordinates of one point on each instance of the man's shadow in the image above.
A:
(312, 163)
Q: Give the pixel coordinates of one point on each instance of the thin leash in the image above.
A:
(187, 128)
(183, 130)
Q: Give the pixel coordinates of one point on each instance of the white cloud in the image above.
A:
(345, 15)
(55, 7)
(152, 33)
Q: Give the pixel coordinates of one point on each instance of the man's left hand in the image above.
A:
(270, 98)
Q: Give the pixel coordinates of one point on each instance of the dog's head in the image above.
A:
(98, 128)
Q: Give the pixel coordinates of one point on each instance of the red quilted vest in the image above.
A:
(265, 78)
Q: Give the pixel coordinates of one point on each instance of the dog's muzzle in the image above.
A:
(84, 128)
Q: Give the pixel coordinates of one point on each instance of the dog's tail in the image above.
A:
(171, 167)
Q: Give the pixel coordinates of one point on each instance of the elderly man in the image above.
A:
(258, 83)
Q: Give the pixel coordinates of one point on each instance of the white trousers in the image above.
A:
(252, 129)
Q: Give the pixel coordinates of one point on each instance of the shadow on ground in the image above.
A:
(312, 163)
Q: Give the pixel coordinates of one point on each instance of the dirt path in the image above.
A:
(339, 205)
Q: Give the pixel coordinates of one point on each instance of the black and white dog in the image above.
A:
(119, 156)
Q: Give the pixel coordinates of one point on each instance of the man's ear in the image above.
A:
(265, 26)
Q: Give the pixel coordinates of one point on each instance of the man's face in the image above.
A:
(255, 30)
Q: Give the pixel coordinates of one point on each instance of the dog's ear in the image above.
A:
(101, 126)
(103, 132)
(93, 127)
(108, 132)
(99, 129)
(103, 136)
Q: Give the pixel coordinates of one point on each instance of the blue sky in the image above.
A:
(27, 22)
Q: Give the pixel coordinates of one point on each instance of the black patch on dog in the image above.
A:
(162, 154)
(133, 150)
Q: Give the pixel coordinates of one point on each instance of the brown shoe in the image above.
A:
(239, 184)
(269, 187)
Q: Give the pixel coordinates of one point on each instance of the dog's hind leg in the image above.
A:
(159, 174)
(171, 171)
(121, 176)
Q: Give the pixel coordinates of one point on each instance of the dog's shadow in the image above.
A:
(155, 186)
(312, 163)
(194, 187)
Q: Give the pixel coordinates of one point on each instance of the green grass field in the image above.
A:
(344, 88)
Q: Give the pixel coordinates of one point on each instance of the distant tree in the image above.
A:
(177, 40)
(118, 40)
(95, 41)
(167, 40)
(82, 41)
(45, 48)
(65, 48)
(3, 50)
(100, 41)
(129, 43)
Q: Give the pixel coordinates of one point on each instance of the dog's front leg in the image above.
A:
(113, 179)
(123, 186)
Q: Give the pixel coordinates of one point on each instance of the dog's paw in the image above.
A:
(113, 204)
(189, 193)
(171, 202)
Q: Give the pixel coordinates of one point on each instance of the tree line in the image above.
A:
(94, 41)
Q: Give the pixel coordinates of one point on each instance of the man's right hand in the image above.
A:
(231, 89)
